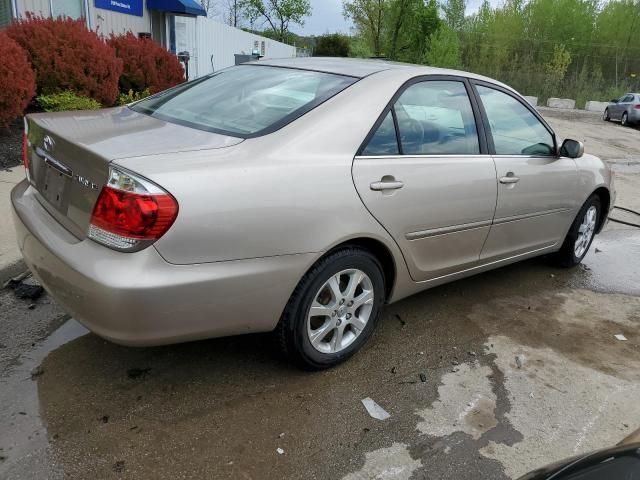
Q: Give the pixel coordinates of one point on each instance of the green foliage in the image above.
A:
(454, 13)
(556, 69)
(332, 45)
(444, 49)
(59, 102)
(131, 96)
(359, 47)
(278, 14)
(369, 17)
(583, 49)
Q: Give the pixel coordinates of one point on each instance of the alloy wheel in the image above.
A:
(340, 311)
(585, 231)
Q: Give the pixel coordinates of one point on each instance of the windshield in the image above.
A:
(244, 101)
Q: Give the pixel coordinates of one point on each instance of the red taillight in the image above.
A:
(131, 211)
(637, 107)
(143, 217)
(25, 153)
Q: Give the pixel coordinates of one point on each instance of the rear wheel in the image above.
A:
(578, 240)
(606, 116)
(333, 310)
(624, 121)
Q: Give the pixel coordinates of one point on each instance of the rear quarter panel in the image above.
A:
(286, 193)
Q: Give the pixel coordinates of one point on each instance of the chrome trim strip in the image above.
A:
(55, 164)
(515, 218)
(447, 230)
(387, 157)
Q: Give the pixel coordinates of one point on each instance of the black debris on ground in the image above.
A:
(118, 467)
(25, 287)
(134, 373)
(423, 378)
(11, 145)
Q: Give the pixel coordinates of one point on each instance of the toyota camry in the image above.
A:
(297, 196)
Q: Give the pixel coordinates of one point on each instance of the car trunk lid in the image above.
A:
(69, 155)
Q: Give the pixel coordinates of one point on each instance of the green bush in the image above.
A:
(59, 102)
(332, 45)
(131, 96)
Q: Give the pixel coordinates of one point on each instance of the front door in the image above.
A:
(426, 176)
(536, 188)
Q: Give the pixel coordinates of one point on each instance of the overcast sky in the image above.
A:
(327, 17)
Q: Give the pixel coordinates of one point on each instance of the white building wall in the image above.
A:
(39, 7)
(106, 22)
(217, 43)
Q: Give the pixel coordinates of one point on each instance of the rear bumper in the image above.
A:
(138, 298)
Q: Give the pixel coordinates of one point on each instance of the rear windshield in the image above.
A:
(244, 101)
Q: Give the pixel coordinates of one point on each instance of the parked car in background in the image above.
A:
(296, 195)
(626, 109)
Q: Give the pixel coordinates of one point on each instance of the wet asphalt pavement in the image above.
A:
(484, 378)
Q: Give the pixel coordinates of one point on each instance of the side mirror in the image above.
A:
(615, 100)
(572, 149)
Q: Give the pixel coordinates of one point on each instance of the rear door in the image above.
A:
(426, 176)
(622, 105)
(536, 188)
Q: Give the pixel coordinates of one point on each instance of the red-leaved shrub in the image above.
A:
(146, 64)
(67, 56)
(17, 80)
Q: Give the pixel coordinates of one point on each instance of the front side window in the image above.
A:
(436, 118)
(244, 100)
(515, 130)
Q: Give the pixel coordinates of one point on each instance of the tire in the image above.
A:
(624, 119)
(570, 255)
(297, 326)
(606, 116)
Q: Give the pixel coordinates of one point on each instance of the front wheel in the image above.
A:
(333, 310)
(578, 240)
(606, 116)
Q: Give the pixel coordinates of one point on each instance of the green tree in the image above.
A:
(369, 17)
(332, 45)
(444, 49)
(411, 22)
(278, 14)
(454, 13)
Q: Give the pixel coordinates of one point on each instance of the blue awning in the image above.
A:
(182, 7)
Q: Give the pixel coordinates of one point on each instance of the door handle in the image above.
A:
(510, 178)
(386, 185)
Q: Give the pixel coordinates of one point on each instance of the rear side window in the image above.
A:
(515, 130)
(436, 118)
(384, 141)
(246, 100)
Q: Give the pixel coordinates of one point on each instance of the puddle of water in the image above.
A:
(23, 437)
(613, 263)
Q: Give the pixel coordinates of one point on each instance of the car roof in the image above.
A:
(362, 67)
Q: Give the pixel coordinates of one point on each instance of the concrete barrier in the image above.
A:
(594, 106)
(532, 100)
(566, 103)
